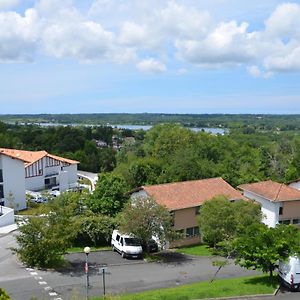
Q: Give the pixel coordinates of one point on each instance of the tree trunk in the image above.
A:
(271, 273)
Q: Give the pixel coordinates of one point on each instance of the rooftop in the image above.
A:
(179, 195)
(29, 157)
(271, 190)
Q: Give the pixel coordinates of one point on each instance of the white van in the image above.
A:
(289, 272)
(126, 245)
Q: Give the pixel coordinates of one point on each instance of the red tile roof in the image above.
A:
(187, 194)
(272, 190)
(29, 157)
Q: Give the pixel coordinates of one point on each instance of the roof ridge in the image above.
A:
(279, 190)
(186, 181)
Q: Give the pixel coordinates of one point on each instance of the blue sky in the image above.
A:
(183, 56)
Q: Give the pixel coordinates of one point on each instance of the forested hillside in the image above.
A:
(167, 153)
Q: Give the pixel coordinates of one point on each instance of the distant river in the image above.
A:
(134, 127)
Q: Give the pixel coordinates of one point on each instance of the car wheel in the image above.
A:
(123, 254)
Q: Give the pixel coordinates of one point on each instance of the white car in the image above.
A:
(289, 272)
(126, 245)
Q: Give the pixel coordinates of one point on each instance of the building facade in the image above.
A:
(35, 171)
(184, 200)
(279, 203)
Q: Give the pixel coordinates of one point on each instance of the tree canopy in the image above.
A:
(144, 218)
(261, 247)
(221, 220)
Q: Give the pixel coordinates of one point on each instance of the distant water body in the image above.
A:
(211, 130)
(196, 129)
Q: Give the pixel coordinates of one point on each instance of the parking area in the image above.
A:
(97, 259)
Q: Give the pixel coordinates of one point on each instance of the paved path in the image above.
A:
(123, 276)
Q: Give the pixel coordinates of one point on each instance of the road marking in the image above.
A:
(48, 288)
(38, 277)
(53, 294)
(33, 273)
(42, 282)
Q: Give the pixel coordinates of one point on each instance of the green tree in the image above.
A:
(109, 196)
(42, 240)
(262, 247)
(144, 218)
(221, 220)
(94, 230)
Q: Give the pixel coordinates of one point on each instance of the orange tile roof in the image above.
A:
(29, 157)
(187, 194)
(272, 190)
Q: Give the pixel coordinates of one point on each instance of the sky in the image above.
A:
(135, 56)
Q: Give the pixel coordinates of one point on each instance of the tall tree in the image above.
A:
(261, 247)
(109, 196)
(221, 220)
(144, 218)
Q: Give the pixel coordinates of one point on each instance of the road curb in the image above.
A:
(244, 296)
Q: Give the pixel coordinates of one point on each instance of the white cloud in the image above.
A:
(6, 4)
(116, 31)
(18, 36)
(132, 34)
(256, 72)
(227, 44)
(151, 65)
(284, 22)
(85, 41)
(184, 21)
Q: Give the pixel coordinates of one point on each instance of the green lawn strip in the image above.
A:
(219, 288)
(197, 250)
(80, 249)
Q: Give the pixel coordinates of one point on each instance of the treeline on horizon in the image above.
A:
(167, 152)
(258, 121)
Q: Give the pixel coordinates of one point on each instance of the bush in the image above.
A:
(3, 295)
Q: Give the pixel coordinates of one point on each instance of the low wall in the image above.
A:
(7, 217)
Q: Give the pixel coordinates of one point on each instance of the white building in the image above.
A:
(33, 170)
(279, 203)
(295, 184)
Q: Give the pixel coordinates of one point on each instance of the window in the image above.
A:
(197, 210)
(1, 176)
(192, 231)
(280, 210)
(172, 214)
(296, 221)
(1, 192)
(285, 222)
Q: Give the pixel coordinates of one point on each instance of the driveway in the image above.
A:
(123, 275)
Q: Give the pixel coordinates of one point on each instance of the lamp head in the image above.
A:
(87, 250)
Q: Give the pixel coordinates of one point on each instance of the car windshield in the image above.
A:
(132, 242)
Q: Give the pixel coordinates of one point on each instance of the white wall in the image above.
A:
(72, 173)
(13, 181)
(270, 210)
(295, 185)
(37, 183)
(8, 217)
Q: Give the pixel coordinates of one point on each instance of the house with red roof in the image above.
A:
(279, 203)
(184, 200)
(22, 170)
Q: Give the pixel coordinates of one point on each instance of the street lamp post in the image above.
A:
(87, 251)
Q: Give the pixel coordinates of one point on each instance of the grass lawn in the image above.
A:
(80, 249)
(197, 250)
(219, 288)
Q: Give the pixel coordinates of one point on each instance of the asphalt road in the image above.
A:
(123, 276)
